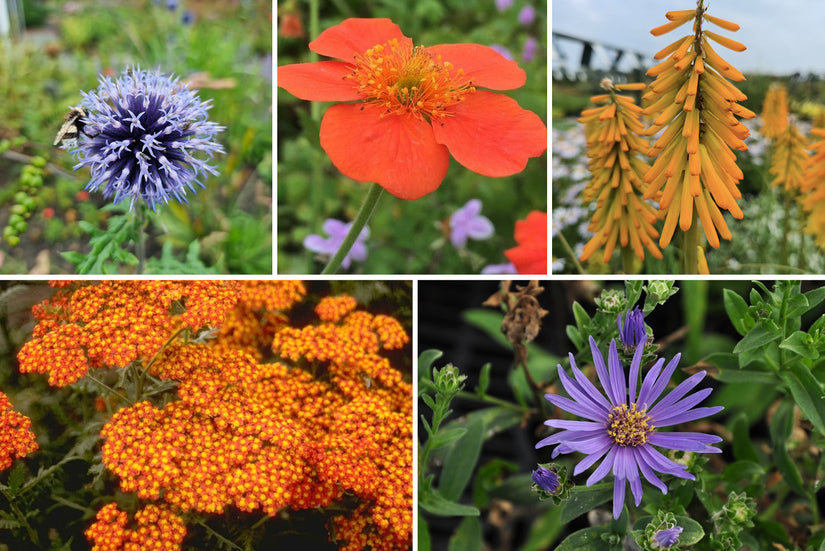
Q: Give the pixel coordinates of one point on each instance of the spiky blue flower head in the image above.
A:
(145, 136)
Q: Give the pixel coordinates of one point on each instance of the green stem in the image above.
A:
(490, 400)
(140, 246)
(801, 223)
(110, 389)
(627, 260)
(786, 229)
(572, 254)
(361, 219)
(21, 518)
(691, 248)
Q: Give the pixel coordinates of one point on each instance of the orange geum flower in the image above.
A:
(775, 111)
(613, 131)
(410, 107)
(530, 254)
(695, 107)
(16, 437)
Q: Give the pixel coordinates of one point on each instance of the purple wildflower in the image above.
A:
(188, 18)
(668, 536)
(504, 52)
(623, 427)
(530, 50)
(633, 333)
(171, 5)
(503, 5)
(140, 137)
(527, 15)
(467, 222)
(546, 479)
(507, 268)
(337, 231)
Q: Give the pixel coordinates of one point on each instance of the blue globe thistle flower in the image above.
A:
(546, 479)
(632, 333)
(667, 537)
(623, 427)
(140, 137)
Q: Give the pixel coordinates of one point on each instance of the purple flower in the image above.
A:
(507, 268)
(188, 18)
(467, 222)
(530, 50)
(633, 333)
(527, 15)
(337, 231)
(141, 134)
(503, 5)
(504, 52)
(668, 536)
(546, 479)
(172, 5)
(623, 427)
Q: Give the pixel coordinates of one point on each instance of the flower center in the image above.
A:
(403, 79)
(628, 427)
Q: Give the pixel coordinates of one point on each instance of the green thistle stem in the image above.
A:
(140, 246)
(361, 219)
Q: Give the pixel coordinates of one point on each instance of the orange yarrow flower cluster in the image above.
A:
(789, 159)
(529, 256)
(16, 437)
(411, 107)
(695, 171)
(114, 323)
(154, 528)
(622, 217)
(775, 111)
(335, 308)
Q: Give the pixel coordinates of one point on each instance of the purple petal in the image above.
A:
(588, 461)
(648, 381)
(335, 228)
(635, 365)
(499, 269)
(685, 441)
(684, 387)
(318, 244)
(604, 468)
(616, 372)
(661, 381)
(589, 388)
(663, 412)
(480, 228)
(660, 463)
(618, 497)
(574, 425)
(458, 236)
(566, 436)
(649, 474)
(601, 371)
(636, 488)
(691, 415)
(591, 445)
(576, 408)
(582, 395)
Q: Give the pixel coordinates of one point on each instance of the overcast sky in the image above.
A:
(782, 36)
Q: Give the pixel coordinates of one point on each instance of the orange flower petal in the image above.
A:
(397, 152)
(355, 35)
(530, 256)
(490, 134)
(321, 81)
(483, 65)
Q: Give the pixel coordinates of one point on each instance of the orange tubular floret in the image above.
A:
(727, 25)
(667, 27)
(726, 42)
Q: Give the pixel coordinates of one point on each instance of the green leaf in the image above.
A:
(747, 376)
(575, 336)
(583, 499)
(801, 344)
(780, 429)
(742, 470)
(807, 393)
(425, 361)
(815, 296)
(633, 292)
(460, 460)
(580, 315)
(468, 535)
(495, 419)
(483, 380)
(423, 534)
(435, 504)
(586, 538)
(737, 310)
(692, 531)
(758, 337)
(544, 531)
(743, 448)
(447, 436)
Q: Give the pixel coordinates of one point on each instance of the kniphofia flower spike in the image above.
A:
(790, 155)
(624, 426)
(408, 108)
(775, 111)
(695, 171)
(622, 217)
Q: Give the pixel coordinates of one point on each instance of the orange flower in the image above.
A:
(16, 437)
(530, 256)
(775, 111)
(414, 106)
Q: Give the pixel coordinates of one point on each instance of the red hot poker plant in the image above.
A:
(695, 107)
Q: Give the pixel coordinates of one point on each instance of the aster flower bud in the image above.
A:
(632, 333)
(144, 136)
(545, 479)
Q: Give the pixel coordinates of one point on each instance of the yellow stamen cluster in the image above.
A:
(613, 139)
(402, 79)
(16, 437)
(628, 427)
(789, 158)
(775, 111)
(157, 528)
(695, 107)
(329, 425)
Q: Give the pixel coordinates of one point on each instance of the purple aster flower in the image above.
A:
(507, 268)
(140, 137)
(503, 5)
(188, 17)
(530, 50)
(337, 231)
(623, 427)
(504, 52)
(546, 479)
(633, 333)
(668, 536)
(467, 222)
(527, 15)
